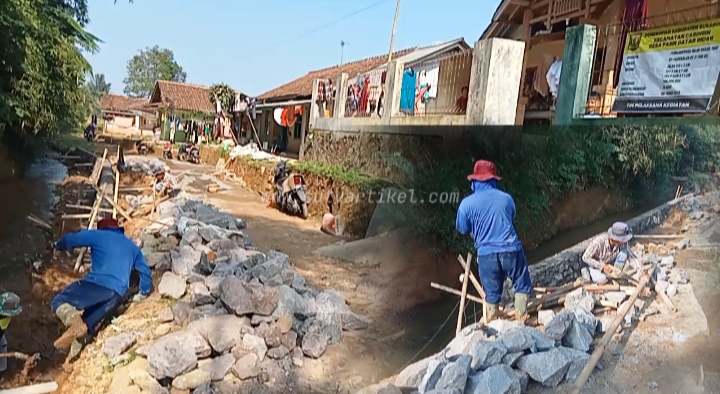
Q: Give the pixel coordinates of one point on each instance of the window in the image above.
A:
(598, 65)
(297, 129)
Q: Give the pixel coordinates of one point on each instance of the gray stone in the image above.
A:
(248, 298)
(578, 359)
(205, 388)
(273, 267)
(137, 372)
(380, 388)
(297, 357)
(289, 339)
(200, 295)
(605, 323)
(278, 352)
(257, 319)
(117, 345)
(255, 344)
(154, 258)
(671, 290)
(191, 380)
(228, 269)
(473, 383)
(204, 311)
(221, 332)
(290, 303)
(212, 283)
(432, 375)
(524, 379)
(164, 264)
(298, 282)
(587, 319)
(516, 340)
(684, 243)
(499, 326)
(680, 277)
(172, 286)
(328, 324)
(542, 342)
(667, 262)
(578, 337)
(208, 234)
(217, 367)
(413, 374)
(247, 367)
(547, 368)
(195, 278)
(580, 298)
(352, 321)
(485, 354)
(511, 359)
(170, 356)
(464, 340)
(559, 326)
(314, 344)
(455, 374)
(184, 260)
(615, 296)
(270, 333)
(545, 316)
(165, 316)
(499, 379)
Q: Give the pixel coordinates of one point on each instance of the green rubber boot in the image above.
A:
(521, 301)
(75, 326)
(492, 311)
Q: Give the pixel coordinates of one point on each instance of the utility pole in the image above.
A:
(342, 50)
(392, 36)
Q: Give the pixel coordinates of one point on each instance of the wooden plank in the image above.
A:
(463, 295)
(93, 217)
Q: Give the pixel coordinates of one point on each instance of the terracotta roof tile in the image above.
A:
(120, 103)
(184, 96)
(303, 85)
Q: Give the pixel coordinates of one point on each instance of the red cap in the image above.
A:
(108, 223)
(484, 170)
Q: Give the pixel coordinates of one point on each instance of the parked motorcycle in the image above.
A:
(89, 133)
(189, 152)
(290, 190)
(141, 147)
(167, 151)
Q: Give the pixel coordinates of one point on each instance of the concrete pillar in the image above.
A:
(576, 73)
(314, 107)
(341, 87)
(495, 82)
(393, 88)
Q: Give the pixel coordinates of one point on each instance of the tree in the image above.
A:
(148, 66)
(224, 93)
(95, 87)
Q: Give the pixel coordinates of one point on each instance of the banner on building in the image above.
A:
(670, 70)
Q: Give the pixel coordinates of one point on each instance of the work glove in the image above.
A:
(139, 297)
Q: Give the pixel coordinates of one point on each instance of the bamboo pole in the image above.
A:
(93, 216)
(658, 236)
(461, 312)
(115, 193)
(40, 223)
(598, 352)
(41, 388)
(474, 281)
(454, 291)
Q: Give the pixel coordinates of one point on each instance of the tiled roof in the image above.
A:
(303, 85)
(184, 96)
(120, 103)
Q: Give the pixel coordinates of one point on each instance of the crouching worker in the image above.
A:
(607, 253)
(163, 183)
(82, 305)
(488, 214)
(9, 308)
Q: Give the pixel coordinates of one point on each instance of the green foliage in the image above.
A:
(41, 44)
(701, 148)
(224, 93)
(94, 87)
(346, 175)
(148, 66)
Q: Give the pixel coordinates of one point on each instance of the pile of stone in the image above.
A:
(144, 164)
(239, 315)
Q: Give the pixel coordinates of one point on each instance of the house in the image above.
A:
(124, 114)
(541, 24)
(187, 105)
(295, 96)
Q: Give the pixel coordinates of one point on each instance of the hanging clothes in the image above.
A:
(634, 18)
(253, 108)
(553, 77)
(540, 84)
(407, 94)
(364, 94)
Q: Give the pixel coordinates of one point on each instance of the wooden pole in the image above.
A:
(41, 388)
(115, 193)
(461, 313)
(93, 216)
(598, 352)
(466, 264)
(454, 291)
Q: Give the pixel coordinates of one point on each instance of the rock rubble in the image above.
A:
(238, 315)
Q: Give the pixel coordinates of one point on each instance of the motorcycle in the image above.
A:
(290, 190)
(89, 133)
(141, 147)
(189, 152)
(167, 151)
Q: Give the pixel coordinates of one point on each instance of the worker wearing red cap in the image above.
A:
(488, 214)
(83, 304)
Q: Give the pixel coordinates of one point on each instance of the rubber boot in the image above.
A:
(521, 301)
(492, 312)
(75, 348)
(75, 326)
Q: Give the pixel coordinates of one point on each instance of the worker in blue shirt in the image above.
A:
(488, 214)
(82, 305)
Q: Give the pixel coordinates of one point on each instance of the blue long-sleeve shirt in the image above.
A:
(114, 256)
(488, 214)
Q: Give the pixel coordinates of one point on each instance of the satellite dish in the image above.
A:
(277, 115)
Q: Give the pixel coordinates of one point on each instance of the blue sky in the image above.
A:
(255, 46)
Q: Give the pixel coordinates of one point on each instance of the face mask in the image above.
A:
(4, 322)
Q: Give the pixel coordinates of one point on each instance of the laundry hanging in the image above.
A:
(407, 94)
